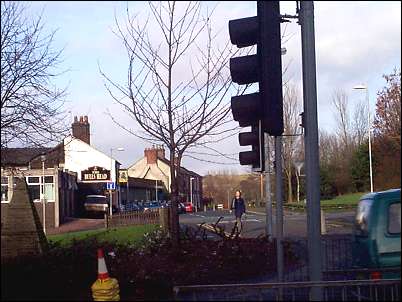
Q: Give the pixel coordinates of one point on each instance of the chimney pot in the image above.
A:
(81, 129)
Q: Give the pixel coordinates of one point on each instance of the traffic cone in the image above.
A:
(102, 269)
(104, 288)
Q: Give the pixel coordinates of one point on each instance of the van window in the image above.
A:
(362, 217)
(394, 218)
(96, 200)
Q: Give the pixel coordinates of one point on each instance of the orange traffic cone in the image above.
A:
(102, 269)
(104, 288)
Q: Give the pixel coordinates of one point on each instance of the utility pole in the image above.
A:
(279, 208)
(306, 19)
(268, 199)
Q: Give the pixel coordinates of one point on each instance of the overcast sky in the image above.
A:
(356, 42)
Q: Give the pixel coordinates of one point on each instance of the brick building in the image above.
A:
(154, 166)
(46, 179)
(71, 170)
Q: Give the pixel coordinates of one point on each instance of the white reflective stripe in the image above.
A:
(102, 266)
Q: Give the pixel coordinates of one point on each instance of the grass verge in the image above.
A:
(121, 235)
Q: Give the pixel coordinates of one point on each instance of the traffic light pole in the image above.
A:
(306, 19)
(268, 201)
(279, 206)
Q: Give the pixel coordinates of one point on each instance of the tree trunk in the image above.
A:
(174, 217)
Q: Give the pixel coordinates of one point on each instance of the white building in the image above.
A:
(155, 166)
(94, 168)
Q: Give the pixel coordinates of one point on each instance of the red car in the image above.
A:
(189, 207)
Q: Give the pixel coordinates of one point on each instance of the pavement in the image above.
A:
(77, 224)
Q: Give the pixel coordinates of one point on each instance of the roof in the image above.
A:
(143, 183)
(23, 157)
(379, 194)
(20, 156)
(182, 169)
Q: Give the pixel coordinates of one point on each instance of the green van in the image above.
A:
(377, 234)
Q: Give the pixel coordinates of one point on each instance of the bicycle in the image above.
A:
(236, 231)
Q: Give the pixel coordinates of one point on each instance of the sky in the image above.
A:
(356, 43)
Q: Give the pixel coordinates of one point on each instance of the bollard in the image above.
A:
(106, 221)
(104, 288)
(205, 207)
(323, 226)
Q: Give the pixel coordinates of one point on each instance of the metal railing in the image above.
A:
(133, 218)
(346, 290)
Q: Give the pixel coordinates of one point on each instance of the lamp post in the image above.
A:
(43, 158)
(368, 127)
(156, 190)
(111, 178)
(191, 192)
(298, 165)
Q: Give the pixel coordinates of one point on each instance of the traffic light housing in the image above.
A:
(255, 138)
(262, 110)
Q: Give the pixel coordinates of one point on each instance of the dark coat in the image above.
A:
(239, 206)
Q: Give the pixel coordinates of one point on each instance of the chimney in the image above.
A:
(161, 152)
(81, 129)
(153, 153)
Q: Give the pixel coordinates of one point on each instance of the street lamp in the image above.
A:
(111, 178)
(43, 158)
(156, 189)
(368, 127)
(298, 165)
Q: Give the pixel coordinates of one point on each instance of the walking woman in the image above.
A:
(239, 206)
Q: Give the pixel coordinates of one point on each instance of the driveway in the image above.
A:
(77, 224)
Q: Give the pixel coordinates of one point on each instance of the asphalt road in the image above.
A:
(295, 223)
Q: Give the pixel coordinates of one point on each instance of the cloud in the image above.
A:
(355, 42)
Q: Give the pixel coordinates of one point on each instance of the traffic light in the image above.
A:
(262, 110)
(255, 157)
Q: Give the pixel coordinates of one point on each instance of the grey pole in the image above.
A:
(279, 209)
(268, 201)
(311, 145)
(369, 139)
(127, 189)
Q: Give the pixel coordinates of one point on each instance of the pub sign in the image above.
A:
(123, 176)
(95, 174)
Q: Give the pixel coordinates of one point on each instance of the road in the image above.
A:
(295, 223)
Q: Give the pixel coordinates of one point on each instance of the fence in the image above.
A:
(134, 218)
(348, 290)
(339, 279)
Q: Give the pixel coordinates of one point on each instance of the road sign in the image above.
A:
(111, 186)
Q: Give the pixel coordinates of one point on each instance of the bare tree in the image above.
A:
(359, 124)
(177, 83)
(291, 141)
(31, 106)
(340, 102)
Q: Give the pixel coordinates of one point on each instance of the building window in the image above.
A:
(35, 184)
(49, 188)
(4, 188)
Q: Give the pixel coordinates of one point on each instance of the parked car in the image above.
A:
(151, 205)
(189, 207)
(181, 208)
(96, 203)
(129, 207)
(377, 234)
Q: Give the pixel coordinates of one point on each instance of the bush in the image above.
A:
(147, 272)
